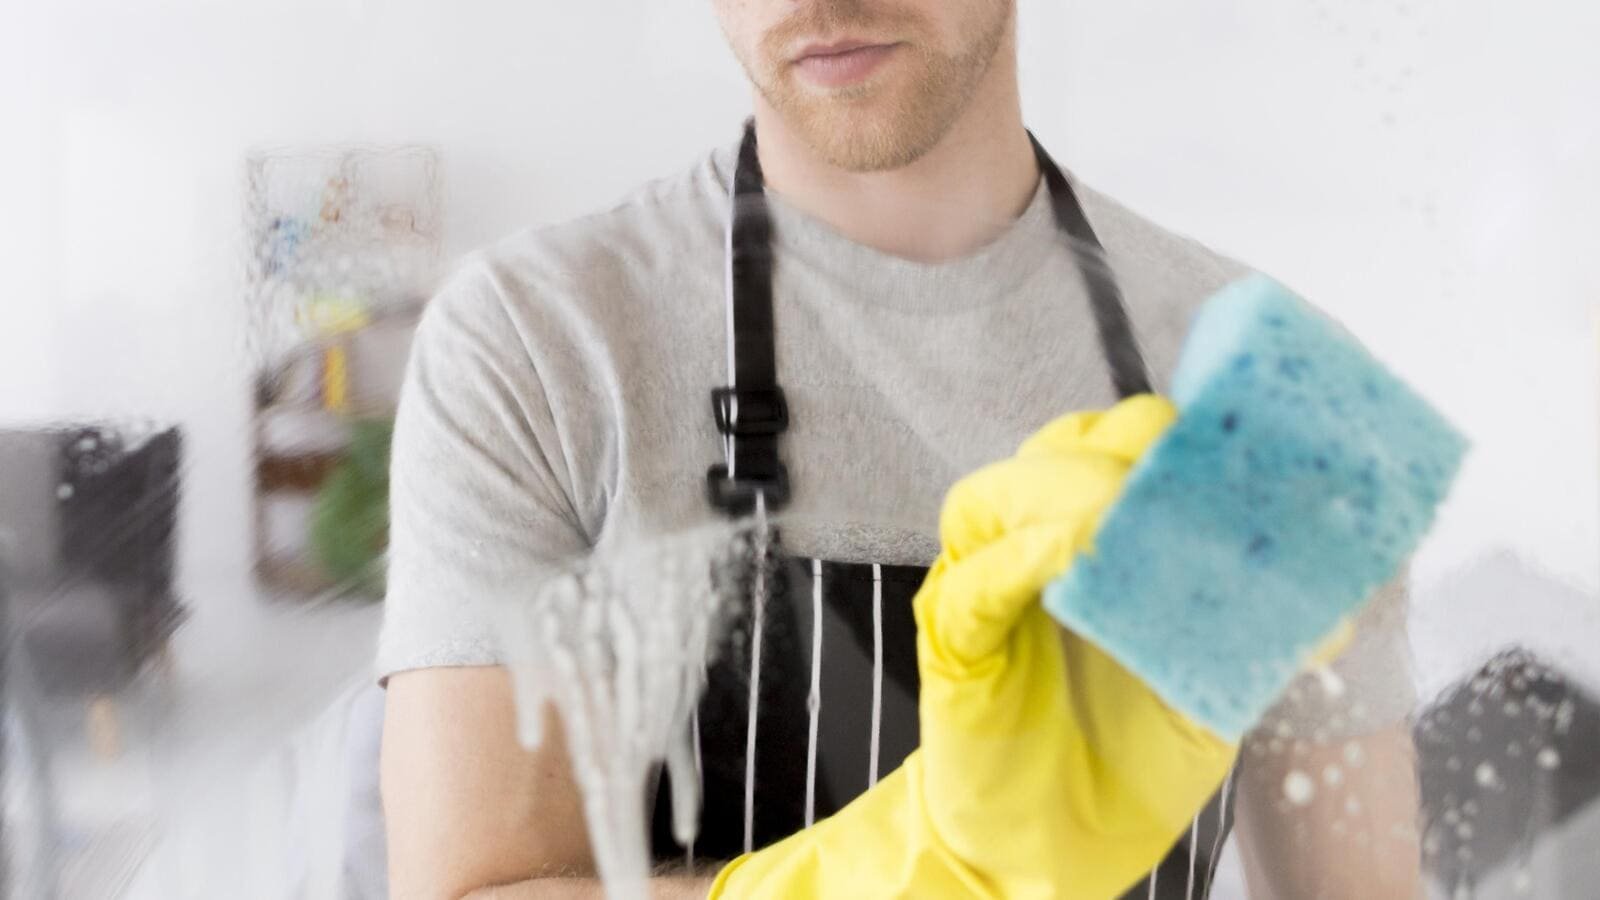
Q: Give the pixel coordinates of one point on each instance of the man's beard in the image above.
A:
(876, 126)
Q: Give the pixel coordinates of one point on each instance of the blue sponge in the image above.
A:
(1298, 478)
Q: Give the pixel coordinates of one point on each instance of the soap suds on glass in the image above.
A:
(1299, 788)
(620, 646)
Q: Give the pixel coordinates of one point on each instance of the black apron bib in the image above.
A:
(830, 658)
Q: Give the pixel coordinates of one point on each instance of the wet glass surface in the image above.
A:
(222, 226)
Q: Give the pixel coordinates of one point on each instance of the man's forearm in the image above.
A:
(667, 887)
(1355, 837)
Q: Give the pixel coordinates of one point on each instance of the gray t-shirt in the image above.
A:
(557, 398)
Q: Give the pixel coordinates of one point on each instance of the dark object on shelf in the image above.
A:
(306, 472)
(88, 522)
(1505, 756)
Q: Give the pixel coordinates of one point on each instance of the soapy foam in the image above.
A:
(620, 647)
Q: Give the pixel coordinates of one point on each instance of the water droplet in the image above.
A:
(1354, 755)
(1564, 717)
(1464, 831)
(1298, 788)
(1352, 806)
(1453, 764)
(1512, 708)
(1469, 808)
(1548, 758)
(1522, 881)
(1451, 817)
(1332, 684)
(1283, 729)
(1474, 734)
(1332, 776)
(64, 491)
(1486, 775)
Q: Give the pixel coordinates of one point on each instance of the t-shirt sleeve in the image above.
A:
(480, 508)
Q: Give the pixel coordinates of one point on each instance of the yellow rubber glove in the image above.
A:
(1046, 769)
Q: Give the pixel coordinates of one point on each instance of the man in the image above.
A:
(927, 316)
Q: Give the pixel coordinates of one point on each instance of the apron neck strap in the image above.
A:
(1129, 376)
(751, 411)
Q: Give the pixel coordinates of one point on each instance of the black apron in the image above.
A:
(839, 632)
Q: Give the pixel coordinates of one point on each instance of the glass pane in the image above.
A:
(225, 227)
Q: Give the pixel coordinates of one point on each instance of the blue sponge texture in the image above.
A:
(1298, 478)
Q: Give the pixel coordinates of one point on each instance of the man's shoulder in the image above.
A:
(1165, 275)
(648, 234)
(1151, 251)
(565, 289)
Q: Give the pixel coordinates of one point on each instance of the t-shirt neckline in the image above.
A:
(990, 274)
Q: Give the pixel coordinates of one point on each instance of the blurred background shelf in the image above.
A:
(345, 247)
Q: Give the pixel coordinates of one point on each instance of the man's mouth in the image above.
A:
(842, 63)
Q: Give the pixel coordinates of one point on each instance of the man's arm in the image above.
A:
(481, 509)
(1329, 847)
(465, 805)
(664, 888)
(471, 813)
(1356, 834)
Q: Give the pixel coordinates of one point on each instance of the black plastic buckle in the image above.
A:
(737, 496)
(748, 412)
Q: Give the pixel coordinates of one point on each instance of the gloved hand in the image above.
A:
(1045, 770)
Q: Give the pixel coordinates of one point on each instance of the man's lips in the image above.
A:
(833, 48)
(842, 63)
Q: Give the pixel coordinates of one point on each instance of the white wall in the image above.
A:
(126, 126)
(1422, 168)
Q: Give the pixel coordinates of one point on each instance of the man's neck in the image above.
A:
(953, 200)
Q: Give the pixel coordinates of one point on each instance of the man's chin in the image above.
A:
(862, 144)
(857, 133)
